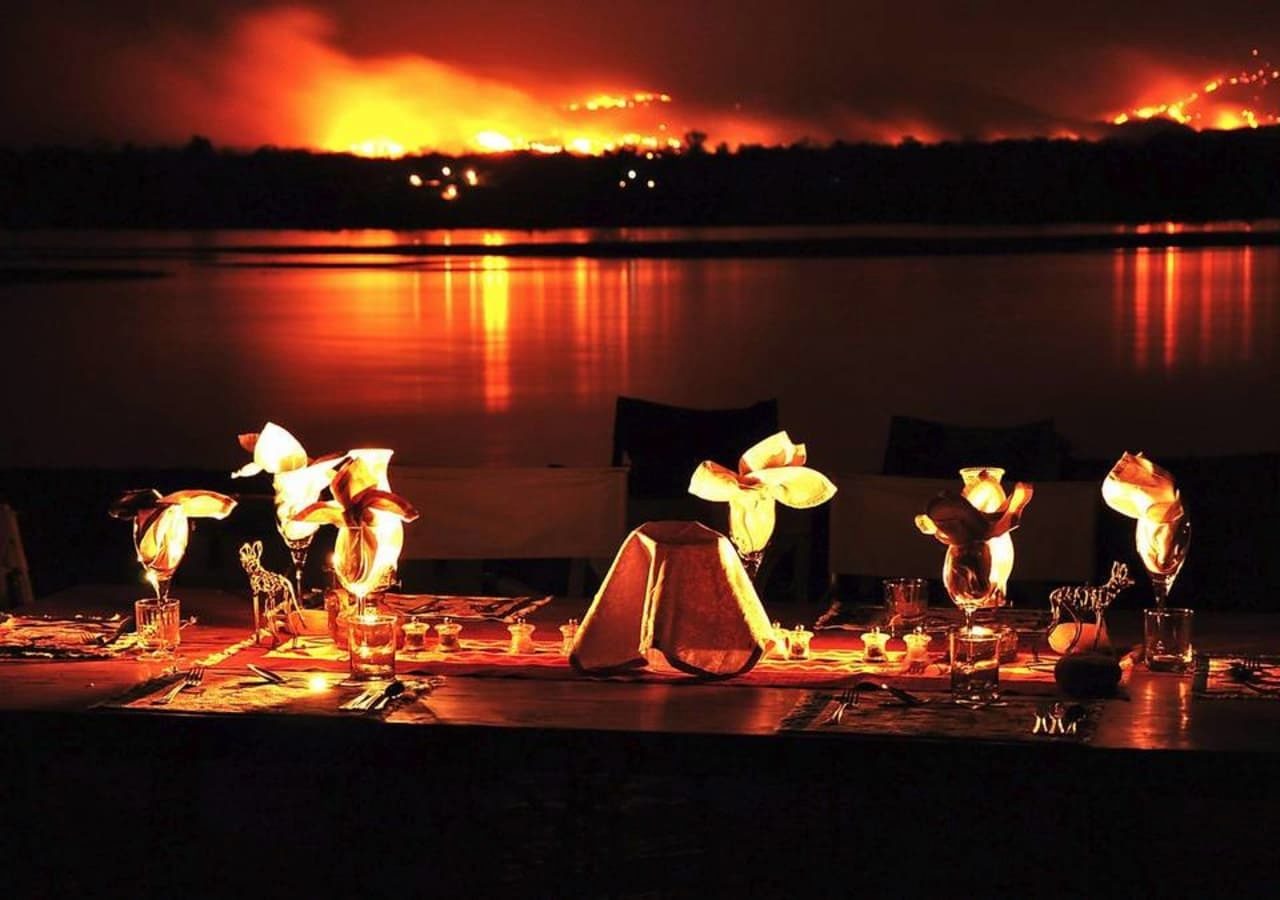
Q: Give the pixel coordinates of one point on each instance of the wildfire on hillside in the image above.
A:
(1225, 101)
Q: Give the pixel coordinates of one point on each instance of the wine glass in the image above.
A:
(297, 536)
(1163, 547)
(966, 574)
(752, 515)
(360, 564)
(160, 540)
(357, 563)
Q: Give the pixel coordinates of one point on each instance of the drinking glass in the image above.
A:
(906, 600)
(975, 665)
(157, 623)
(1167, 639)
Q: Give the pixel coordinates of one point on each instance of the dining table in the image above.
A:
(508, 773)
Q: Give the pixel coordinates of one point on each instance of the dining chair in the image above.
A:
(661, 445)
(919, 448)
(15, 576)
(873, 532)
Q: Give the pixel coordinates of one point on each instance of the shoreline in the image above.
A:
(747, 248)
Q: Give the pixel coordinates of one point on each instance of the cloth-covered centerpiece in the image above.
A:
(677, 588)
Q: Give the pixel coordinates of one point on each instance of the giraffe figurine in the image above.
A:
(1078, 601)
(273, 595)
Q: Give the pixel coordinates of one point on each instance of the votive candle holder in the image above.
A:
(372, 645)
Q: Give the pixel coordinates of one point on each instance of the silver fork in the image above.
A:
(194, 676)
(846, 698)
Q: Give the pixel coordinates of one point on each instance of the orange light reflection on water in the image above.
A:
(495, 305)
(1206, 315)
(1141, 307)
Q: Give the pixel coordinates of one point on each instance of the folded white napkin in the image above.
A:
(770, 472)
(679, 588)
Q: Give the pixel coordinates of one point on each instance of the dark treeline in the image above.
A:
(1143, 173)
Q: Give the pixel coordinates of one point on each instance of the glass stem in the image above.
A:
(1160, 585)
(751, 561)
(299, 554)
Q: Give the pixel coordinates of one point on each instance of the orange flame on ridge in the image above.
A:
(1218, 103)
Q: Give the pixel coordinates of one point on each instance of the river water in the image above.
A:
(496, 359)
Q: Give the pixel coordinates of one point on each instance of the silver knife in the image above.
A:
(273, 677)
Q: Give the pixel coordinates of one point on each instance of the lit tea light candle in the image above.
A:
(781, 640)
(917, 646)
(415, 636)
(568, 632)
(521, 637)
(873, 645)
(798, 643)
(447, 632)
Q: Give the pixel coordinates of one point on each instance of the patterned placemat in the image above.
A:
(76, 637)
(880, 715)
(464, 609)
(1236, 676)
(241, 691)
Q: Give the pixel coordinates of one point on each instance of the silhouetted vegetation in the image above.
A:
(1142, 173)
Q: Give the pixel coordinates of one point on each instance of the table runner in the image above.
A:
(879, 715)
(826, 668)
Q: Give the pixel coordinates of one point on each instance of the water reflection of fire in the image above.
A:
(1185, 309)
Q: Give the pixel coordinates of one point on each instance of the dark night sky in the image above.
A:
(155, 71)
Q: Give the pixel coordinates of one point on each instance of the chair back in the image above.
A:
(663, 444)
(918, 448)
(15, 577)
(873, 529)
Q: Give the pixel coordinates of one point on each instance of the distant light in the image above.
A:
(450, 192)
(415, 179)
(446, 171)
(622, 183)
(631, 173)
(471, 177)
(649, 155)
(651, 184)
